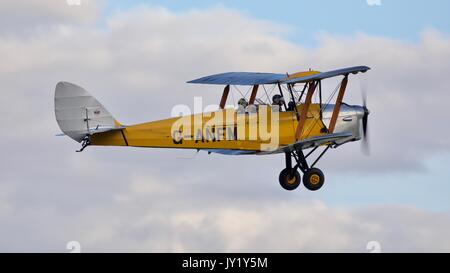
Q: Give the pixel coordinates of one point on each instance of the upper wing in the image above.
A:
(240, 78)
(328, 74)
(254, 78)
(336, 138)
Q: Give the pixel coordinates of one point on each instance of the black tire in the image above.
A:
(313, 179)
(289, 182)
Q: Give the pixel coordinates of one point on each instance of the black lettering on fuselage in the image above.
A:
(209, 134)
(177, 137)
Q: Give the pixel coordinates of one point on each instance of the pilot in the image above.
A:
(242, 104)
(278, 100)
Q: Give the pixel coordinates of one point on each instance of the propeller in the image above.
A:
(365, 148)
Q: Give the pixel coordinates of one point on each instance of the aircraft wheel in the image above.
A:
(313, 179)
(289, 182)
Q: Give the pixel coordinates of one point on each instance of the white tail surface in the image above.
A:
(79, 114)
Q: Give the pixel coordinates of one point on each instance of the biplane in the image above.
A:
(298, 119)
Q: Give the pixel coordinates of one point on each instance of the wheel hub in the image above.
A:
(290, 180)
(314, 179)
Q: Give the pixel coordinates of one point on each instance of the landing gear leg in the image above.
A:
(313, 178)
(289, 177)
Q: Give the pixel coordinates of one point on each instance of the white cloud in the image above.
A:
(28, 17)
(131, 199)
(186, 219)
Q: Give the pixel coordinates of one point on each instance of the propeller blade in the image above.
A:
(365, 148)
(365, 141)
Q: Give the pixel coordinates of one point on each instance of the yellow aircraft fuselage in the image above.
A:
(221, 130)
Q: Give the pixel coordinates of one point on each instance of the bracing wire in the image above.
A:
(242, 94)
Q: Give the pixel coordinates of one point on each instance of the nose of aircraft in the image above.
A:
(365, 124)
(365, 119)
(363, 112)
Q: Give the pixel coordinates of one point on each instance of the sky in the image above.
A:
(401, 19)
(135, 57)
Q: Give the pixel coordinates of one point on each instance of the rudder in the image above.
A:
(79, 114)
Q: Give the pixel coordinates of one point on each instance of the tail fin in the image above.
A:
(79, 114)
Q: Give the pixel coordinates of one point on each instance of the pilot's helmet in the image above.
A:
(243, 102)
(291, 106)
(277, 100)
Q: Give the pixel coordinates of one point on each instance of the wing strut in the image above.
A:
(226, 90)
(253, 95)
(304, 112)
(337, 106)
